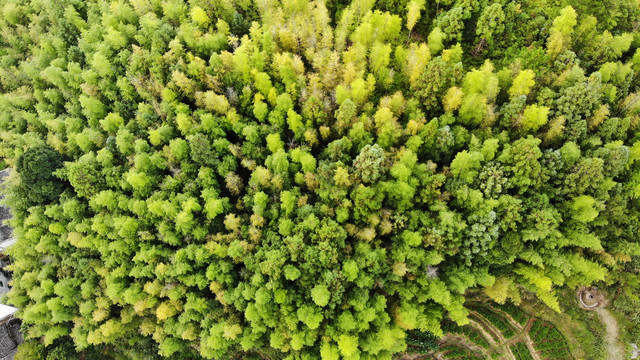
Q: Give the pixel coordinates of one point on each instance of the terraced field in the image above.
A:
(501, 332)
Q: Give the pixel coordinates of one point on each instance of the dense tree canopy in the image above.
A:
(312, 179)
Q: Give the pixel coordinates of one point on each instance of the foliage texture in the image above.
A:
(303, 179)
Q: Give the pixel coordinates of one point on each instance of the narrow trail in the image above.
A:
(501, 346)
(523, 333)
(593, 300)
(454, 339)
(494, 331)
(417, 357)
(490, 337)
(528, 341)
(513, 322)
(614, 350)
(459, 339)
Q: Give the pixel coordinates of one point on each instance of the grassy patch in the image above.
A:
(582, 329)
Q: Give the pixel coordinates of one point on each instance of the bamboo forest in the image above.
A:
(321, 179)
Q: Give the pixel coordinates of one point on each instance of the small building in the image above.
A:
(10, 336)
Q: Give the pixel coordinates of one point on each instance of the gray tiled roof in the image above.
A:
(7, 344)
(9, 355)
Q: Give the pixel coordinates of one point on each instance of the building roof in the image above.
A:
(6, 243)
(6, 311)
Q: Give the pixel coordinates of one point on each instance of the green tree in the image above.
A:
(38, 181)
(309, 179)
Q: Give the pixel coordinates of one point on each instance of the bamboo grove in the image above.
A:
(299, 179)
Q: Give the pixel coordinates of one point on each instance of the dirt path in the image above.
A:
(523, 333)
(416, 357)
(591, 299)
(494, 331)
(614, 350)
(462, 340)
(510, 319)
(528, 341)
(454, 339)
(490, 337)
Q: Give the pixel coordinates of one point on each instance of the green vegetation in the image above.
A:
(546, 340)
(514, 311)
(497, 320)
(549, 341)
(453, 352)
(583, 330)
(310, 179)
(627, 300)
(38, 182)
(420, 342)
(469, 332)
(521, 352)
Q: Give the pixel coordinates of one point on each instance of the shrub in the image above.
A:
(30, 350)
(36, 167)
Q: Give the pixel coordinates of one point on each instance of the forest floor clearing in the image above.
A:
(614, 349)
(593, 300)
